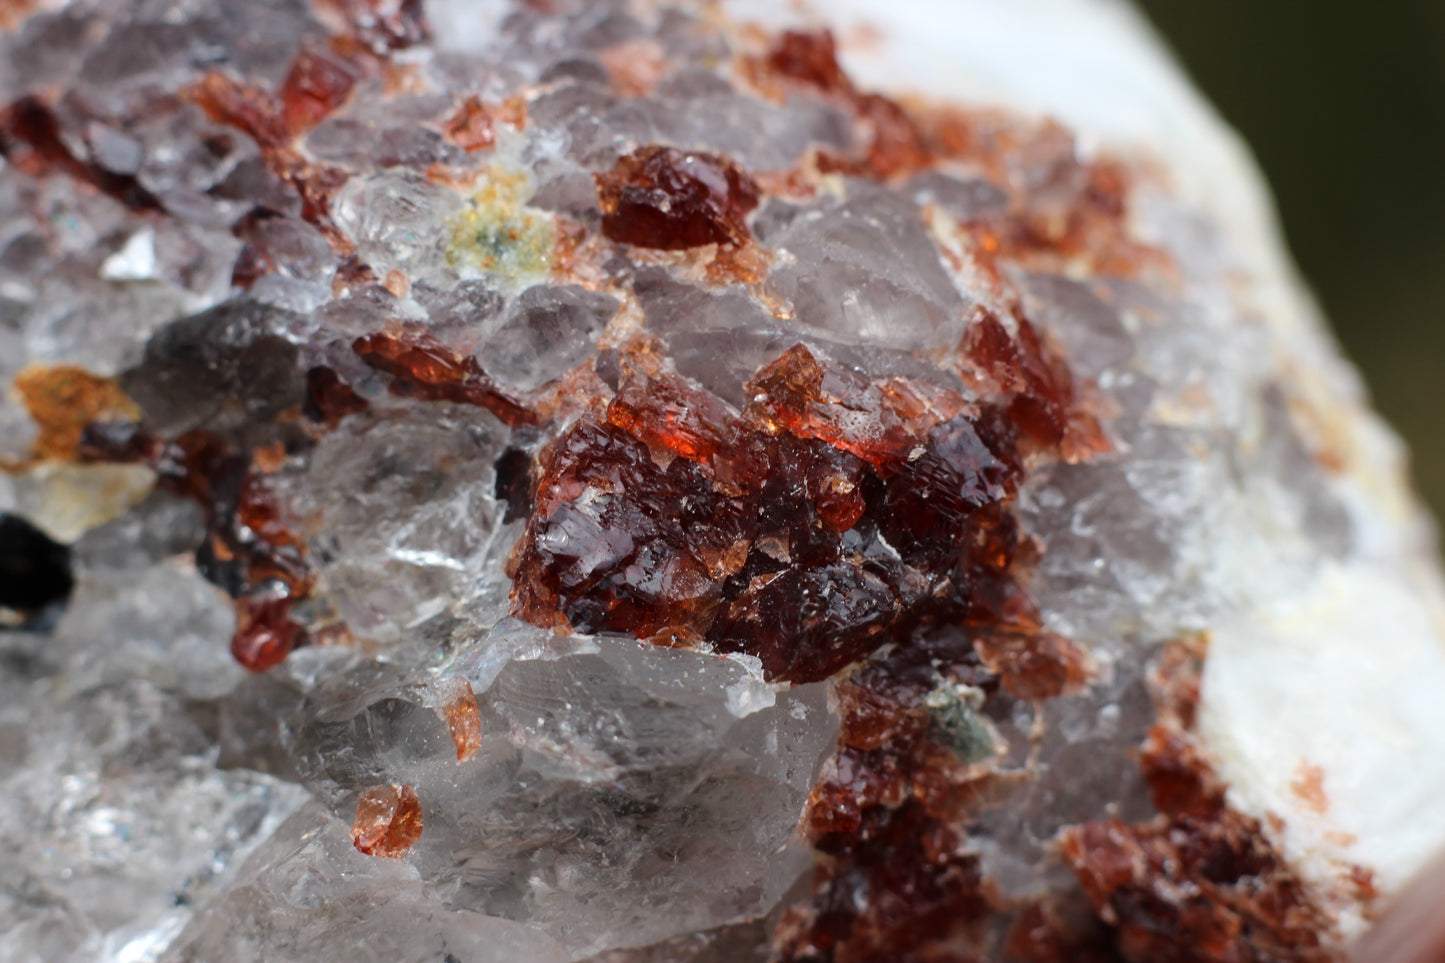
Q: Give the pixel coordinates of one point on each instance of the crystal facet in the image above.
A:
(624, 481)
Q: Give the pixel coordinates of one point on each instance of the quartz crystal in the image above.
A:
(634, 481)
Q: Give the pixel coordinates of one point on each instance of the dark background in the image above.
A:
(1344, 107)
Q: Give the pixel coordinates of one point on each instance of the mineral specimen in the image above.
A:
(626, 481)
(388, 821)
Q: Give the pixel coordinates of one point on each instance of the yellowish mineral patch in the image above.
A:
(63, 399)
(66, 500)
(497, 233)
(61, 496)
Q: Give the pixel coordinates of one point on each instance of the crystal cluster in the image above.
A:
(597, 481)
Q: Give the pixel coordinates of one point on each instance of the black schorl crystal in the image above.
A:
(34, 569)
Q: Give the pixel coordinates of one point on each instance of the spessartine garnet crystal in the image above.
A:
(601, 481)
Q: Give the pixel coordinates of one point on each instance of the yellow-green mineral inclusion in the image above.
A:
(496, 233)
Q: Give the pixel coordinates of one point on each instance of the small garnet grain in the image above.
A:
(667, 199)
(265, 633)
(464, 720)
(388, 821)
(328, 398)
(810, 58)
(318, 82)
(427, 369)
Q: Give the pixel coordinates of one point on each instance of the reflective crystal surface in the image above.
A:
(599, 481)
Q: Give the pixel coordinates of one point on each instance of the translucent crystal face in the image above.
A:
(674, 503)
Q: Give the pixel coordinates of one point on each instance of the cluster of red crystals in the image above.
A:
(834, 515)
(30, 139)
(893, 143)
(424, 368)
(1200, 883)
(329, 399)
(667, 199)
(1042, 397)
(268, 120)
(831, 516)
(896, 879)
(910, 892)
(1067, 212)
(1063, 208)
(1199, 887)
(388, 821)
(321, 78)
(250, 550)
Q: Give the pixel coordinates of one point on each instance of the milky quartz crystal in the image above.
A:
(679, 481)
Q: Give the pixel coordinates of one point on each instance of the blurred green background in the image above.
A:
(1344, 106)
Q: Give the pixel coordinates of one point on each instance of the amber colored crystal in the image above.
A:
(896, 146)
(425, 368)
(668, 414)
(636, 559)
(260, 530)
(810, 58)
(246, 107)
(798, 394)
(1045, 402)
(664, 198)
(464, 720)
(1037, 665)
(318, 82)
(265, 633)
(473, 126)
(388, 821)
